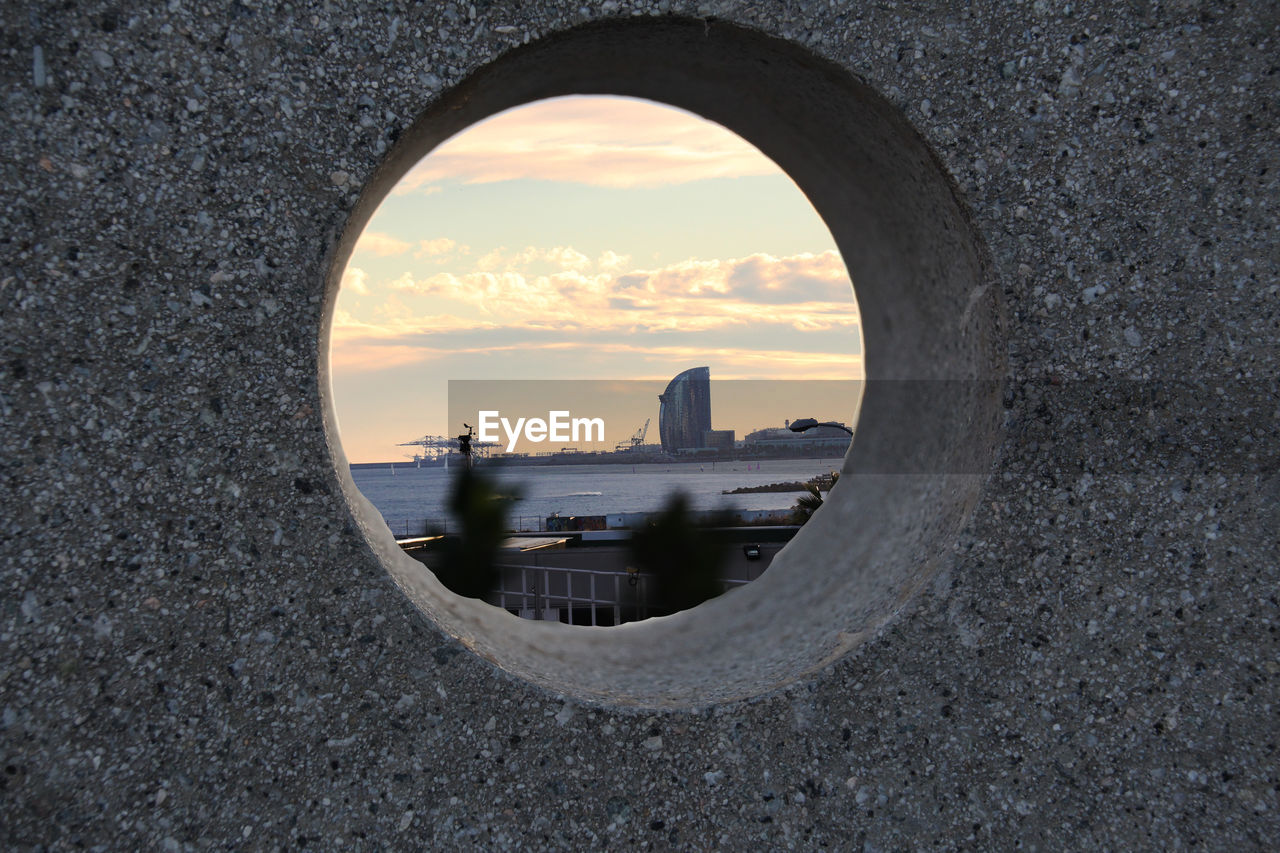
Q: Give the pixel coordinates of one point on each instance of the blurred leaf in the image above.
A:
(466, 562)
(686, 559)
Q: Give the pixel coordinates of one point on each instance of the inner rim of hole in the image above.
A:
(908, 243)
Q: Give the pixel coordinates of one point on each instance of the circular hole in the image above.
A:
(929, 420)
(592, 238)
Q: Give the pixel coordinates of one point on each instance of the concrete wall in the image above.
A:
(1046, 588)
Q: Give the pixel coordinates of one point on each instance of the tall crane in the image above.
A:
(636, 441)
(435, 447)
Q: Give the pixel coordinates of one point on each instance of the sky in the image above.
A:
(597, 238)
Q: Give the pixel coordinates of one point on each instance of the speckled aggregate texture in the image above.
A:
(199, 650)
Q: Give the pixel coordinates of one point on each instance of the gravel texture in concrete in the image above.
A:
(198, 647)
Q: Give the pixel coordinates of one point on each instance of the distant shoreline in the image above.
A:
(567, 461)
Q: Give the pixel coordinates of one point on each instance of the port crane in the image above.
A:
(436, 447)
(636, 441)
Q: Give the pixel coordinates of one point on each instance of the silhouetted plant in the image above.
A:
(686, 559)
(466, 561)
(807, 505)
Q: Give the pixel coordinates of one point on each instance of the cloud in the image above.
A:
(750, 362)
(531, 257)
(438, 246)
(563, 298)
(646, 359)
(381, 244)
(610, 261)
(758, 279)
(358, 346)
(766, 279)
(600, 141)
(567, 258)
(355, 280)
(804, 292)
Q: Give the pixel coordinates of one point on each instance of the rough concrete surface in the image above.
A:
(198, 648)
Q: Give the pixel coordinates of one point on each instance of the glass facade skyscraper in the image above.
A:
(685, 413)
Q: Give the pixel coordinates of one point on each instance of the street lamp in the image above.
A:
(809, 423)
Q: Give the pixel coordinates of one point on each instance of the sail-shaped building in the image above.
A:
(684, 416)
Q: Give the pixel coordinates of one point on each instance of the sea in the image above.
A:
(411, 498)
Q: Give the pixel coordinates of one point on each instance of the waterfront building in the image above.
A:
(781, 441)
(684, 415)
(720, 439)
